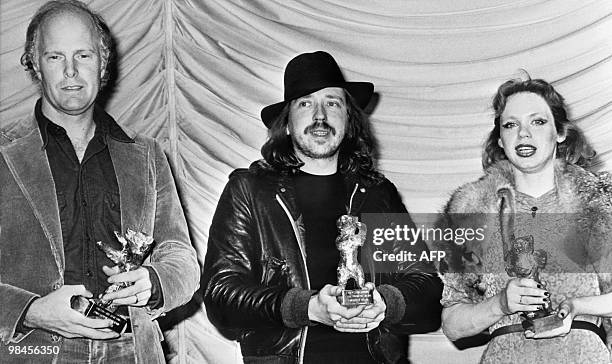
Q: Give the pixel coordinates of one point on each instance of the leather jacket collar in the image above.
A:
(285, 188)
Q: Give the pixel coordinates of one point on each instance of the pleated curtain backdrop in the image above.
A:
(195, 74)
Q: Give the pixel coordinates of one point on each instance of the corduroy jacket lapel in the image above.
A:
(131, 162)
(28, 163)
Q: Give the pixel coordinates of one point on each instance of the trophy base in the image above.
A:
(542, 324)
(356, 297)
(88, 307)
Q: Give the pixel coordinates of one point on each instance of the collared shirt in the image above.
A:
(88, 200)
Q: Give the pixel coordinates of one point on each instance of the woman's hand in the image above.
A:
(565, 312)
(522, 295)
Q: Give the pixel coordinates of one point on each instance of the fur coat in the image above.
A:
(586, 194)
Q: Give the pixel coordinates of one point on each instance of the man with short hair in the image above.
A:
(70, 177)
(271, 262)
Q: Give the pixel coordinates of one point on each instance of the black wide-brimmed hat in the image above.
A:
(311, 72)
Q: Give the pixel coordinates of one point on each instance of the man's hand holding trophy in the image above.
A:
(130, 283)
(352, 235)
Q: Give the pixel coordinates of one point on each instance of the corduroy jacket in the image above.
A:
(31, 247)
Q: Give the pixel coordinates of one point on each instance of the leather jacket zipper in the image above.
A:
(303, 255)
(350, 206)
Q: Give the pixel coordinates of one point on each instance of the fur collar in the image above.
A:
(577, 189)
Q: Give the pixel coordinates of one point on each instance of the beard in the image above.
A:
(316, 153)
(309, 146)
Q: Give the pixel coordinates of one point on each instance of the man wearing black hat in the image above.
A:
(270, 269)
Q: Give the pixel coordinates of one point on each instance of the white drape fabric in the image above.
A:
(195, 74)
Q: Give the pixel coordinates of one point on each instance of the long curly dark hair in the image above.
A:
(357, 149)
(29, 57)
(574, 149)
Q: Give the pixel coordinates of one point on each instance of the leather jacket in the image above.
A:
(256, 276)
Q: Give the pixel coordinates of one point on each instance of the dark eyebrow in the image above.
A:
(334, 97)
(512, 117)
(77, 51)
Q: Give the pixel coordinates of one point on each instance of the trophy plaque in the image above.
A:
(135, 248)
(90, 308)
(352, 234)
(523, 261)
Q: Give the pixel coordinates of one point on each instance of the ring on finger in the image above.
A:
(521, 299)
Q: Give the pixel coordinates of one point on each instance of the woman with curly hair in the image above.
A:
(547, 246)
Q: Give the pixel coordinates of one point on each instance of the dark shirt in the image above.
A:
(88, 201)
(322, 200)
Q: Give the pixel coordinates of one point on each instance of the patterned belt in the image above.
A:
(581, 325)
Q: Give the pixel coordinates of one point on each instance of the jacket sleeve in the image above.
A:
(412, 294)
(235, 298)
(173, 258)
(14, 302)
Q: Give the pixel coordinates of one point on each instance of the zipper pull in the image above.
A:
(350, 207)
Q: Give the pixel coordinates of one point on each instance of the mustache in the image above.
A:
(74, 82)
(319, 125)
